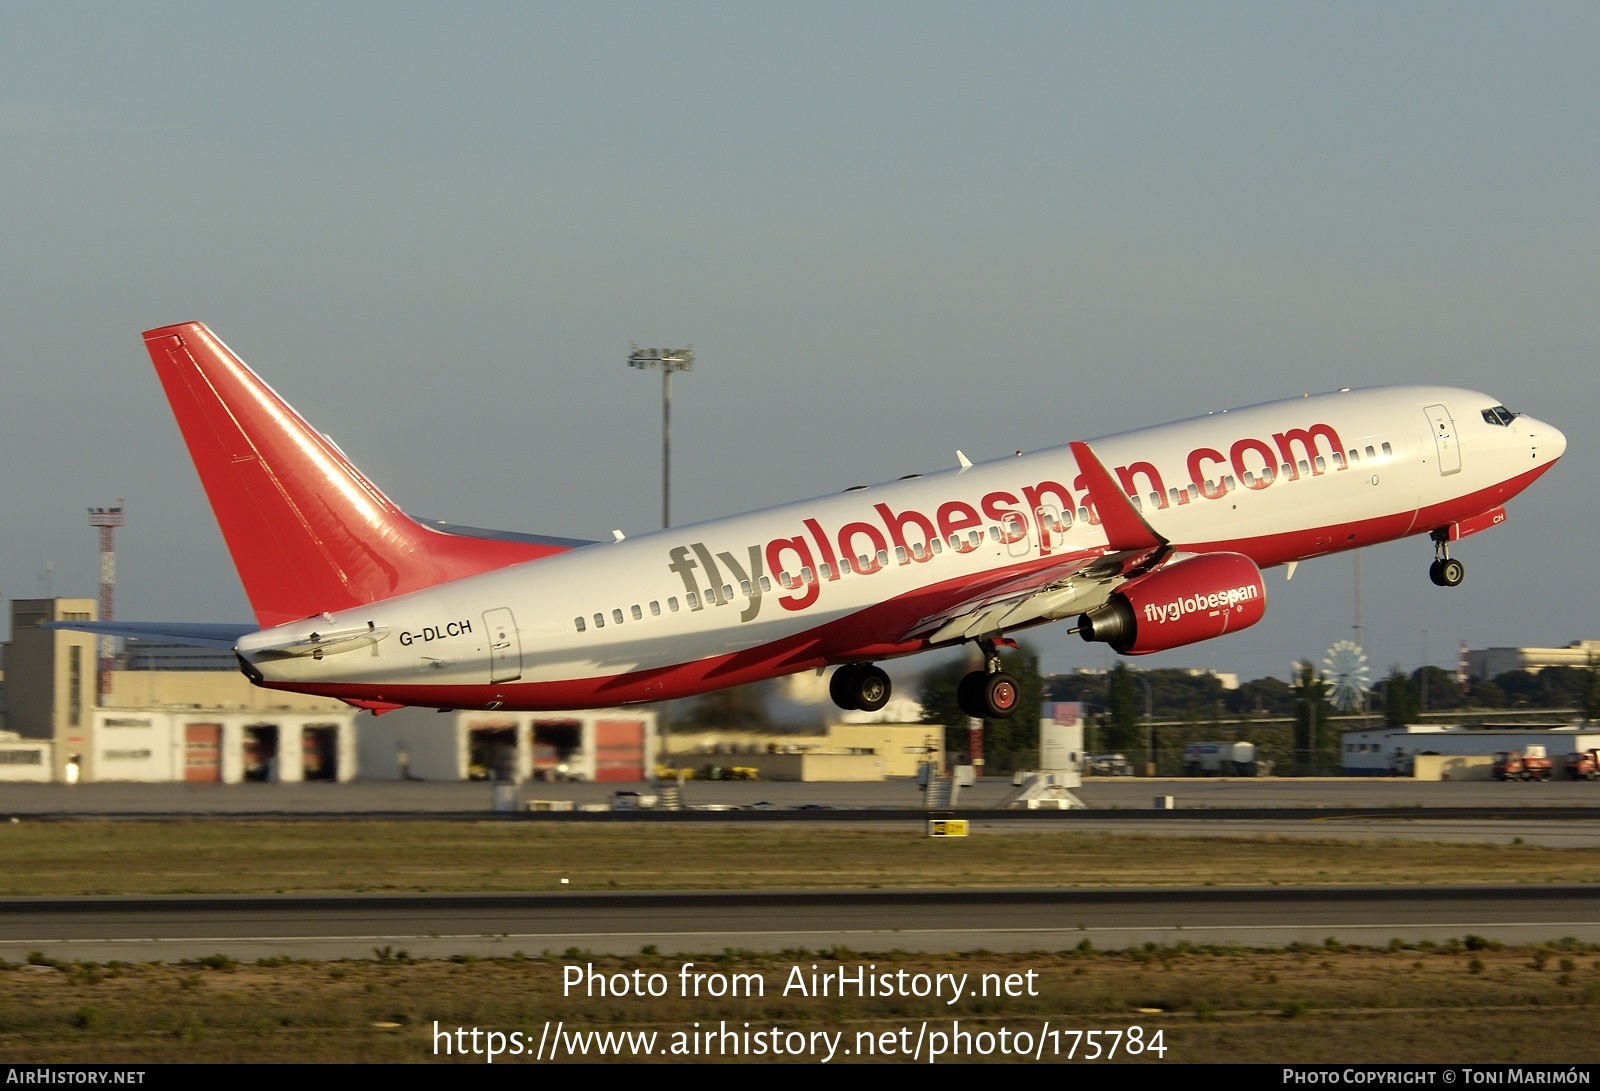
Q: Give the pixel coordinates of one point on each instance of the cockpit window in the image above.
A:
(1499, 415)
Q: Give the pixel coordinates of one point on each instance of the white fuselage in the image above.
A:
(845, 577)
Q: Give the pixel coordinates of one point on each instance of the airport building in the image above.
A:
(176, 713)
(1485, 663)
(1396, 751)
(616, 744)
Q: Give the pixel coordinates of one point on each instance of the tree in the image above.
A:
(1436, 687)
(1264, 696)
(1399, 705)
(1122, 715)
(742, 708)
(1312, 733)
(1009, 743)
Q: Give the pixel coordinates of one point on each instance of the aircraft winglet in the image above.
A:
(1125, 528)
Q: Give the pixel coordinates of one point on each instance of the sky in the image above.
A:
(889, 231)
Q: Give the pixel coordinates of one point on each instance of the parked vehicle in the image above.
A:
(1530, 764)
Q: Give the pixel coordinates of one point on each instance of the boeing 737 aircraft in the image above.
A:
(1151, 539)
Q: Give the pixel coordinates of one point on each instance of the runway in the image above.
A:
(174, 928)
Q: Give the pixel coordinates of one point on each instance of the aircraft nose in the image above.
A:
(1552, 440)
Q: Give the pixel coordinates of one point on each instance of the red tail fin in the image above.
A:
(308, 533)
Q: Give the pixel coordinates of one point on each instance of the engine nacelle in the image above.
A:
(1192, 599)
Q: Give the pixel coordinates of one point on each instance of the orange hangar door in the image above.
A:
(618, 750)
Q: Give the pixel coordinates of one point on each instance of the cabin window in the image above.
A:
(1155, 498)
(1249, 479)
(672, 603)
(1371, 453)
(1304, 469)
(825, 571)
(865, 562)
(1388, 451)
(727, 594)
(844, 566)
(744, 588)
(975, 538)
(1228, 483)
(1355, 456)
(1138, 505)
(917, 550)
(638, 614)
(785, 580)
(1083, 514)
(900, 555)
(1338, 461)
(766, 584)
(1286, 469)
(807, 576)
(577, 623)
(616, 616)
(655, 608)
(936, 545)
(692, 599)
(599, 621)
(1321, 464)
(1193, 490)
(883, 557)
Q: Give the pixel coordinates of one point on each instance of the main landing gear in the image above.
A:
(989, 694)
(859, 686)
(1445, 570)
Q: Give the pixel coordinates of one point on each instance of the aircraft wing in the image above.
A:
(1077, 583)
(198, 634)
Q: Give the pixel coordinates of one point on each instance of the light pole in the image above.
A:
(668, 361)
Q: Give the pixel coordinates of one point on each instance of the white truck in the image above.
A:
(1220, 759)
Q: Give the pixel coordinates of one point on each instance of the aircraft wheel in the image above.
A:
(872, 688)
(969, 694)
(842, 686)
(1433, 573)
(1000, 695)
(1451, 573)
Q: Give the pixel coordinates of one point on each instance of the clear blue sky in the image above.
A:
(890, 230)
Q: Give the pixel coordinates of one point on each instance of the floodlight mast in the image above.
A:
(667, 361)
(107, 520)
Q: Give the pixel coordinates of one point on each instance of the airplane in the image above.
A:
(1152, 539)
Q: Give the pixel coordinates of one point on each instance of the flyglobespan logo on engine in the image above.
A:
(1194, 604)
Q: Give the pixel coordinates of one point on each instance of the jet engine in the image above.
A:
(1192, 598)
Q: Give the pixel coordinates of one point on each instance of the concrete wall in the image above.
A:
(24, 759)
(209, 690)
(1454, 767)
(152, 744)
(808, 767)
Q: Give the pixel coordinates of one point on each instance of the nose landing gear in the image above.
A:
(990, 693)
(1445, 570)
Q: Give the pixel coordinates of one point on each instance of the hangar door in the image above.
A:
(619, 750)
(202, 751)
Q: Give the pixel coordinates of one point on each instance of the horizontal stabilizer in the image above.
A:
(196, 634)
